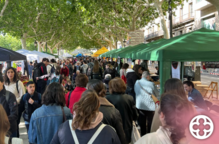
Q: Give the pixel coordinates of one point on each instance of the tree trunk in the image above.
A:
(158, 5)
(23, 41)
(50, 49)
(39, 46)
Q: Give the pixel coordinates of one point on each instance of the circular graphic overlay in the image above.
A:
(201, 127)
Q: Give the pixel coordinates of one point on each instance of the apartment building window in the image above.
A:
(191, 9)
(181, 32)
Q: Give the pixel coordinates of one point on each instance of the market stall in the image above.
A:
(100, 51)
(44, 55)
(30, 55)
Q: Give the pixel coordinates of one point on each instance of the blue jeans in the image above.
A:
(13, 135)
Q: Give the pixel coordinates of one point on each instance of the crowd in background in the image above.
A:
(89, 100)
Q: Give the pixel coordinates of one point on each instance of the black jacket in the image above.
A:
(126, 106)
(11, 108)
(131, 78)
(64, 136)
(75, 69)
(71, 70)
(112, 72)
(98, 75)
(112, 117)
(69, 87)
(27, 108)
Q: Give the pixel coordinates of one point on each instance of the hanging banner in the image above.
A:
(176, 70)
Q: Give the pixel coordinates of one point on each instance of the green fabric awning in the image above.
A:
(117, 53)
(131, 53)
(106, 54)
(51, 54)
(199, 45)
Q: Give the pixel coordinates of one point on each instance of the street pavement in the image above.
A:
(206, 79)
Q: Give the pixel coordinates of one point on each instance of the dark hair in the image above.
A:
(86, 110)
(97, 86)
(7, 81)
(85, 61)
(31, 62)
(175, 86)
(1, 79)
(53, 61)
(96, 67)
(58, 70)
(136, 68)
(125, 66)
(81, 80)
(189, 83)
(54, 94)
(45, 59)
(35, 65)
(178, 112)
(29, 83)
(117, 85)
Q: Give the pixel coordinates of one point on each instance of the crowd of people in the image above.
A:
(88, 100)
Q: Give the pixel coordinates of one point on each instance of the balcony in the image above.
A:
(154, 34)
(186, 18)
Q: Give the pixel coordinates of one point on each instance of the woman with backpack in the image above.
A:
(15, 86)
(87, 126)
(96, 71)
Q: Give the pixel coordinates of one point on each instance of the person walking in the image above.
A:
(84, 67)
(72, 97)
(144, 89)
(96, 71)
(30, 70)
(110, 70)
(29, 103)
(46, 120)
(15, 86)
(71, 70)
(124, 103)
(111, 115)
(87, 126)
(41, 75)
(175, 114)
(10, 105)
(132, 75)
(65, 71)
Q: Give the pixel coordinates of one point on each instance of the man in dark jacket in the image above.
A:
(42, 80)
(70, 68)
(78, 67)
(29, 103)
(9, 102)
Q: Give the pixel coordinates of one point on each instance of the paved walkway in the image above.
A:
(23, 132)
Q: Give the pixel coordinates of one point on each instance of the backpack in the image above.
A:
(36, 73)
(53, 70)
(89, 71)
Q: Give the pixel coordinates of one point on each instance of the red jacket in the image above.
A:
(75, 97)
(65, 71)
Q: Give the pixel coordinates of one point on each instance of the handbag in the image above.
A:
(156, 101)
(123, 77)
(135, 133)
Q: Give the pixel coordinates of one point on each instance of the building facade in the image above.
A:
(194, 14)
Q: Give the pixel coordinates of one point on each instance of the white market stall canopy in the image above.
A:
(44, 55)
(30, 55)
(81, 51)
(66, 55)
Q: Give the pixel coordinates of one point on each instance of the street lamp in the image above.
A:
(35, 44)
(124, 41)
